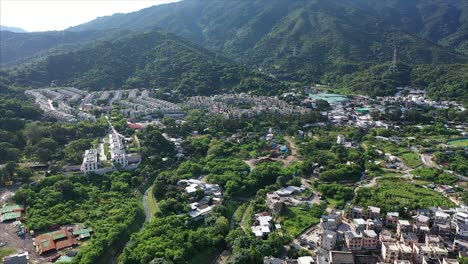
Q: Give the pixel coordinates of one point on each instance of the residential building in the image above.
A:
(359, 225)
(422, 253)
(403, 226)
(390, 252)
(262, 225)
(373, 212)
(374, 224)
(387, 236)
(353, 240)
(409, 238)
(341, 257)
(328, 239)
(340, 139)
(405, 251)
(90, 161)
(392, 218)
(305, 260)
(274, 202)
(357, 212)
(450, 261)
(370, 240)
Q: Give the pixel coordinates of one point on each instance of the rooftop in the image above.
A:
(370, 233)
(353, 235)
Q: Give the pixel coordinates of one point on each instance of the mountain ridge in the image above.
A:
(154, 59)
(12, 29)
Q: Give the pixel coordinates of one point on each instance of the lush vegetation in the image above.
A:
(105, 203)
(434, 175)
(337, 192)
(175, 238)
(295, 220)
(394, 194)
(456, 161)
(152, 59)
(347, 44)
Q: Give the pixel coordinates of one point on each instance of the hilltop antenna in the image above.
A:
(394, 67)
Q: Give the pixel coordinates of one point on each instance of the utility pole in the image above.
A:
(394, 67)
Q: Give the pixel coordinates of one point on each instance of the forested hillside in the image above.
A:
(152, 59)
(342, 43)
(18, 47)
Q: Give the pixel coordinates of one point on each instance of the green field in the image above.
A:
(297, 219)
(411, 159)
(394, 194)
(459, 142)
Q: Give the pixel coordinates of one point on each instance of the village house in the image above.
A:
(262, 225)
(353, 240)
(328, 239)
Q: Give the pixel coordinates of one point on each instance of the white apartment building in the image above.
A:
(340, 139)
(90, 161)
(117, 150)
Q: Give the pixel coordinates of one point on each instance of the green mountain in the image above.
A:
(151, 59)
(306, 40)
(237, 25)
(19, 47)
(337, 42)
(442, 21)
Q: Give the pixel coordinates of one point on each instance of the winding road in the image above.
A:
(426, 158)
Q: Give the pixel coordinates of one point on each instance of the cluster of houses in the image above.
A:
(70, 105)
(93, 158)
(56, 103)
(45, 244)
(65, 237)
(133, 104)
(210, 194)
(244, 105)
(356, 111)
(433, 235)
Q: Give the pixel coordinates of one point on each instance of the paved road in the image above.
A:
(426, 158)
(148, 213)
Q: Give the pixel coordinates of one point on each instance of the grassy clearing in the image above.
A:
(396, 194)
(459, 143)
(335, 204)
(297, 219)
(239, 212)
(248, 217)
(411, 159)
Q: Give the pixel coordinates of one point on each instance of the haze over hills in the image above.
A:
(19, 47)
(335, 42)
(12, 29)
